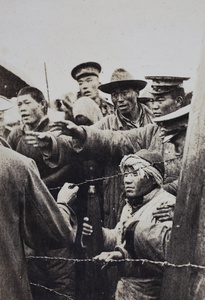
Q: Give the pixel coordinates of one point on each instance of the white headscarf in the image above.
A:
(137, 163)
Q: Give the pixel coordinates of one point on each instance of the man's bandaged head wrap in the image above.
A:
(151, 163)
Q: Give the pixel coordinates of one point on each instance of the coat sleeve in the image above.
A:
(151, 241)
(59, 153)
(112, 238)
(150, 237)
(13, 138)
(108, 144)
(44, 223)
(109, 238)
(171, 187)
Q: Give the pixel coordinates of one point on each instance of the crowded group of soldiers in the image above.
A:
(116, 164)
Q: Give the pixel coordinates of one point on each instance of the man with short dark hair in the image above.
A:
(26, 95)
(29, 215)
(33, 107)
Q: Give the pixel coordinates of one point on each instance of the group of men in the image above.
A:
(136, 200)
(129, 114)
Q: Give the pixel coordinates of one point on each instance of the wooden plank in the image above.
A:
(188, 235)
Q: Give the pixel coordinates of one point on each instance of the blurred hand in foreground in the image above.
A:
(67, 194)
(38, 139)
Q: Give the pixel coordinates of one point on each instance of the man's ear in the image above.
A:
(44, 105)
(179, 101)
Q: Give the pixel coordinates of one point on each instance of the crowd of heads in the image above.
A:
(165, 104)
(165, 95)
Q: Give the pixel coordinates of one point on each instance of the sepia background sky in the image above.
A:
(146, 37)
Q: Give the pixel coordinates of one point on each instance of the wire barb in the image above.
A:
(111, 176)
(51, 290)
(140, 260)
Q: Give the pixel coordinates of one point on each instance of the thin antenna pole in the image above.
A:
(47, 85)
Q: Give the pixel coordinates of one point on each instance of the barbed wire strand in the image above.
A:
(143, 261)
(112, 176)
(140, 260)
(51, 290)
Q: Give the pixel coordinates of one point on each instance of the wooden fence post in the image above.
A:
(188, 234)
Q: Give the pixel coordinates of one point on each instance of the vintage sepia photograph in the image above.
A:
(102, 150)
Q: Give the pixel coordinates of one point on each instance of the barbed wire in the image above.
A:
(140, 260)
(163, 264)
(92, 260)
(86, 181)
(51, 290)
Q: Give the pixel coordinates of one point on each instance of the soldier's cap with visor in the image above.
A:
(165, 84)
(5, 104)
(122, 79)
(173, 123)
(146, 96)
(86, 69)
